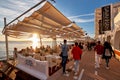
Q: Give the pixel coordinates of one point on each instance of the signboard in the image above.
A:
(106, 18)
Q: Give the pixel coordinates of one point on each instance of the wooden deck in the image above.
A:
(88, 71)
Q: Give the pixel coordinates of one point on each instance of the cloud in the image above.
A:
(18, 3)
(36, 1)
(1, 20)
(1, 31)
(80, 20)
(7, 12)
(91, 14)
(11, 9)
(92, 35)
(83, 20)
(14, 5)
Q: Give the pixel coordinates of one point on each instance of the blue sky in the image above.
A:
(80, 11)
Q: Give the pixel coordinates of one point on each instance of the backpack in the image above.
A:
(107, 52)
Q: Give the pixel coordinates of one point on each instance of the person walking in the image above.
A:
(107, 54)
(98, 54)
(64, 55)
(77, 52)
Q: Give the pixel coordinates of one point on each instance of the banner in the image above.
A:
(106, 18)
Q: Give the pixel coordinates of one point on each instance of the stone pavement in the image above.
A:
(87, 69)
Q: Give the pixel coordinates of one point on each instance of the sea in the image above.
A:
(21, 45)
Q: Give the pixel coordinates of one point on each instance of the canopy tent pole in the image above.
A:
(6, 41)
(40, 40)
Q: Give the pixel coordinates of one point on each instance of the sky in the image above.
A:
(80, 11)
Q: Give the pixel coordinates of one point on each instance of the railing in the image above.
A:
(36, 68)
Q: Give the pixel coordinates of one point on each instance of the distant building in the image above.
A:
(107, 24)
(116, 40)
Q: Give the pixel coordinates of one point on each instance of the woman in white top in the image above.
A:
(107, 54)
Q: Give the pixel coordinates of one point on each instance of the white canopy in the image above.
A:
(45, 21)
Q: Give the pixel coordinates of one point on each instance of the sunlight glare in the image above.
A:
(34, 41)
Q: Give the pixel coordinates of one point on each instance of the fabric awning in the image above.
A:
(45, 21)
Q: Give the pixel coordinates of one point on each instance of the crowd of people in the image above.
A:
(103, 51)
(42, 50)
(74, 52)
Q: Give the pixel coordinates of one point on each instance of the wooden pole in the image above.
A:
(6, 41)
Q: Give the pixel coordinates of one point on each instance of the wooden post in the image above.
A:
(6, 41)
